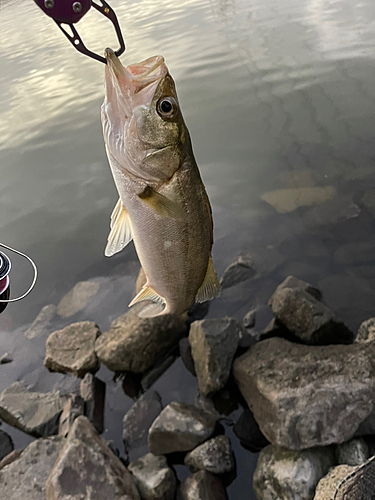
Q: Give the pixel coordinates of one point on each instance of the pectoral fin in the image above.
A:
(147, 293)
(161, 205)
(121, 231)
(210, 287)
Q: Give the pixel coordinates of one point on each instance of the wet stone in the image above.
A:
(154, 479)
(87, 468)
(306, 317)
(215, 455)
(366, 331)
(294, 475)
(136, 344)
(202, 486)
(40, 325)
(35, 413)
(139, 418)
(329, 484)
(213, 345)
(276, 329)
(26, 476)
(180, 427)
(71, 350)
(73, 408)
(11, 457)
(185, 353)
(248, 432)
(6, 444)
(78, 297)
(93, 394)
(240, 270)
(249, 319)
(353, 452)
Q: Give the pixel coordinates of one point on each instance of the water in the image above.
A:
(276, 94)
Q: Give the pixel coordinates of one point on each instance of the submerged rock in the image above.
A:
(202, 486)
(299, 310)
(213, 345)
(287, 200)
(35, 413)
(71, 350)
(87, 468)
(180, 427)
(78, 297)
(304, 396)
(154, 479)
(240, 270)
(25, 477)
(215, 455)
(353, 452)
(292, 475)
(136, 344)
(39, 327)
(93, 394)
(6, 444)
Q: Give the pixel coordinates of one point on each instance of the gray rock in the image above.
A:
(25, 477)
(347, 483)
(154, 479)
(353, 452)
(87, 468)
(292, 475)
(248, 432)
(73, 408)
(6, 444)
(136, 344)
(249, 319)
(296, 283)
(287, 200)
(307, 318)
(276, 329)
(185, 353)
(215, 455)
(71, 350)
(240, 270)
(6, 358)
(77, 298)
(202, 486)
(180, 427)
(152, 375)
(304, 396)
(198, 311)
(213, 345)
(11, 457)
(139, 418)
(35, 413)
(366, 331)
(39, 327)
(93, 394)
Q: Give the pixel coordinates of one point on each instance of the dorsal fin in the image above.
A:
(121, 231)
(147, 293)
(210, 287)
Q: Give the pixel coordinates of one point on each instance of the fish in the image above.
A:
(163, 205)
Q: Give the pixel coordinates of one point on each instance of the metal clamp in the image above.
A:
(34, 279)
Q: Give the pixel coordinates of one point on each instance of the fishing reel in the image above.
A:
(5, 267)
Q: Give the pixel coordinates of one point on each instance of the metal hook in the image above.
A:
(35, 274)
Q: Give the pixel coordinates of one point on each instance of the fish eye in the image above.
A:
(167, 107)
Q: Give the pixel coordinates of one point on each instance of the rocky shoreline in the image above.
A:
(306, 384)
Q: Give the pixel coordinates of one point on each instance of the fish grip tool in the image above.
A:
(69, 12)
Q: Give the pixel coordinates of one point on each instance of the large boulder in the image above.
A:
(290, 475)
(87, 468)
(136, 344)
(304, 396)
(213, 345)
(154, 479)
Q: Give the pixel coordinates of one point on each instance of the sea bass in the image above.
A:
(163, 205)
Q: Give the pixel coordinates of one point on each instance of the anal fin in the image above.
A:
(121, 231)
(210, 287)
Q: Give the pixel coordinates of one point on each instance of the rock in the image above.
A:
(11, 457)
(5, 358)
(287, 200)
(215, 455)
(202, 486)
(73, 408)
(139, 418)
(180, 427)
(78, 297)
(93, 394)
(198, 311)
(249, 319)
(296, 283)
(248, 432)
(329, 485)
(35, 413)
(71, 350)
(136, 344)
(152, 375)
(366, 331)
(305, 396)
(276, 329)
(213, 345)
(307, 318)
(39, 327)
(240, 270)
(292, 475)
(25, 478)
(6, 444)
(185, 353)
(87, 468)
(154, 479)
(353, 452)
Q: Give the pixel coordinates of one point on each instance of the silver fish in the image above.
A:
(163, 205)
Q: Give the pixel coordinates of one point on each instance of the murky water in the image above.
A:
(277, 94)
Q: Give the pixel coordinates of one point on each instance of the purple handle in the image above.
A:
(65, 11)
